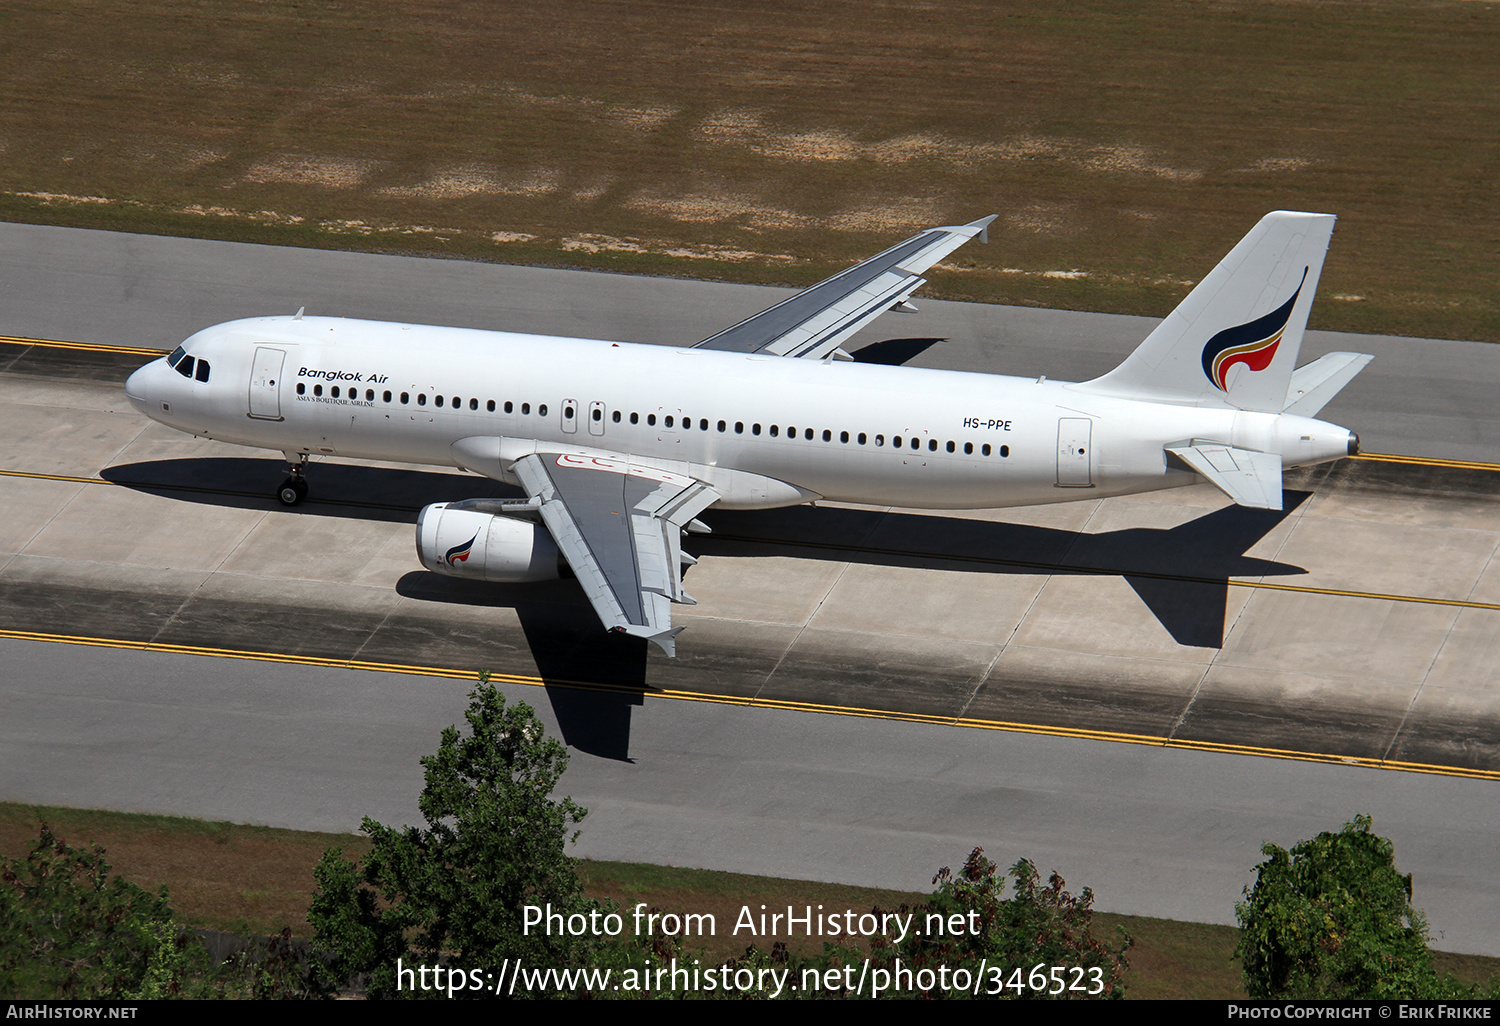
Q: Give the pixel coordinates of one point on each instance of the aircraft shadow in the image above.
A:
(1180, 573)
(335, 489)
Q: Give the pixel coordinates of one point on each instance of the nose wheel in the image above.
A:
(294, 489)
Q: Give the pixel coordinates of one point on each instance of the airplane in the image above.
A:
(620, 446)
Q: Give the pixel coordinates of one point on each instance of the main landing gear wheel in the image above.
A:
(292, 491)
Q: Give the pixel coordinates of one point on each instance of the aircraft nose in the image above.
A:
(138, 386)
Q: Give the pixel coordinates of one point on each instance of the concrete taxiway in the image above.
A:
(1358, 625)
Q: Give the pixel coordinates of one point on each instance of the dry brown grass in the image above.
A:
(1126, 144)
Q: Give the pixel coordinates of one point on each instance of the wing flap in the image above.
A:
(619, 525)
(817, 320)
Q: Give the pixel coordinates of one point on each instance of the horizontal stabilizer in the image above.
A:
(1249, 478)
(1314, 385)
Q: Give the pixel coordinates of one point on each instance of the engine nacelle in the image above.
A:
(485, 547)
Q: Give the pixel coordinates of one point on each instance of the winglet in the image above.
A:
(664, 640)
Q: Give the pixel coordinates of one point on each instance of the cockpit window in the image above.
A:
(177, 354)
(185, 366)
(202, 374)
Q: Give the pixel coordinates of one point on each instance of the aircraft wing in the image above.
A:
(816, 321)
(619, 525)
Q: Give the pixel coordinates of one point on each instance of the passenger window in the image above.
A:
(986, 449)
(335, 392)
(526, 409)
(668, 421)
(880, 439)
(722, 426)
(185, 366)
(755, 429)
(635, 418)
(861, 438)
(773, 430)
(369, 395)
(490, 406)
(202, 374)
(1004, 450)
(509, 406)
(615, 416)
(385, 397)
(702, 424)
(932, 445)
(827, 435)
(541, 411)
(651, 420)
(405, 398)
(895, 442)
(844, 437)
(317, 390)
(598, 415)
(739, 427)
(567, 412)
(968, 448)
(437, 400)
(950, 447)
(301, 388)
(421, 398)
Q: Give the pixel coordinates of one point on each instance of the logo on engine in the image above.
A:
(1253, 344)
(460, 553)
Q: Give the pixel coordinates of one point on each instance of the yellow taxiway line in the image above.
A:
(1075, 733)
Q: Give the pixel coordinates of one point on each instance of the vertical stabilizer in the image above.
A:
(1234, 340)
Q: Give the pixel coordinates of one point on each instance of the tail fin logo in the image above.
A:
(1253, 344)
(459, 553)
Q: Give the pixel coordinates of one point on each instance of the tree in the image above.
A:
(68, 929)
(495, 840)
(1333, 918)
(1037, 925)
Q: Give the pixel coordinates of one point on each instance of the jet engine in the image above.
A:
(485, 546)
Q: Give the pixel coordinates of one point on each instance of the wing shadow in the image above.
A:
(893, 352)
(592, 678)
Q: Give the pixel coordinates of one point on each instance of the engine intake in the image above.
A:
(485, 547)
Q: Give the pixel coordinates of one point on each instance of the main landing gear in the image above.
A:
(294, 489)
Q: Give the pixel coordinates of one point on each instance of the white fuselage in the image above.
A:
(765, 430)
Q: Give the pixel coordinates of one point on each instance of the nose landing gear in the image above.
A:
(294, 489)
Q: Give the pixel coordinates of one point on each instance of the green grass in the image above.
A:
(258, 879)
(1134, 142)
